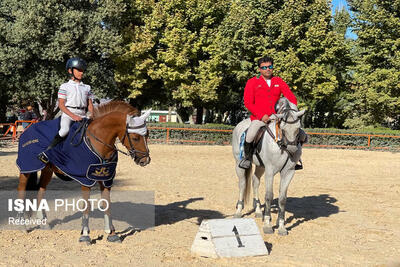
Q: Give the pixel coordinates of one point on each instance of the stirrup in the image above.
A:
(299, 166)
(43, 158)
(245, 163)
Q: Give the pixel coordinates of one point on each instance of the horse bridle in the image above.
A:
(284, 142)
(287, 115)
(131, 151)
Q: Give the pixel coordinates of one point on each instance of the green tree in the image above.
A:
(137, 60)
(341, 101)
(37, 38)
(376, 90)
(169, 50)
(239, 42)
(309, 55)
(342, 21)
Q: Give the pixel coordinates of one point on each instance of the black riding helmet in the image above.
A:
(75, 63)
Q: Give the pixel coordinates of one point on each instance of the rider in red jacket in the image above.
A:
(260, 96)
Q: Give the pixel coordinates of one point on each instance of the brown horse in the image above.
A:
(111, 120)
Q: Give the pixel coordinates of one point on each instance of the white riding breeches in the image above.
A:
(66, 120)
(255, 125)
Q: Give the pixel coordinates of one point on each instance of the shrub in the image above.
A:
(206, 135)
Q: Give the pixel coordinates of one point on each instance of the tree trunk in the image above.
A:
(209, 118)
(183, 114)
(3, 108)
(218, 117)
(50, 107)
(179, 118)
(169, 114)
(226, 116)
(199, 115)
(191, 119)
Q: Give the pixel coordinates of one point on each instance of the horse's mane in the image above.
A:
(112, 106)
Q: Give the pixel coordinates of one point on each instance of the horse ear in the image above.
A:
(300, 113)
(128, 118)
(146, 114)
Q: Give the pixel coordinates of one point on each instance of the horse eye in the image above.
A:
(134, 137)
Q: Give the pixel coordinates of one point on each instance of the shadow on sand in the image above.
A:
(156, 215)
(305, 208)
(8, 153)
(309, 208)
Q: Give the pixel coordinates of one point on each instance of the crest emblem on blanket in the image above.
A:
(101, 172)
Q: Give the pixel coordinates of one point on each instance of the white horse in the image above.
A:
(275, 156)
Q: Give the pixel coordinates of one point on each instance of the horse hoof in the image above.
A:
(268, 230)
(282, 232)
(114, 239)
(237, 215)
(259, 215)
(85, 239)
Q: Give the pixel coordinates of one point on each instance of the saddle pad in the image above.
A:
(34, 140)
(74, 161)
(241, 145)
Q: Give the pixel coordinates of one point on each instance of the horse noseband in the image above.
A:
(132, 151)
(287, 114)
(284, 142)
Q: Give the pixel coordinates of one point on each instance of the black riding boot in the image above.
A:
(57, 139)
(245, 163)
(299, 166)
(303, 138)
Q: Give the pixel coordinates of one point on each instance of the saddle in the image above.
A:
(257, 143)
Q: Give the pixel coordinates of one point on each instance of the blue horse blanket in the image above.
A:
(79, 162)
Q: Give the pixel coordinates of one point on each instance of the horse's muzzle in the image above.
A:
(142, 161)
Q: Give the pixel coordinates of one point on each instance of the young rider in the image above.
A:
(74, 100)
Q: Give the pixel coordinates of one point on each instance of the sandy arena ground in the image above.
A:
(343, 210)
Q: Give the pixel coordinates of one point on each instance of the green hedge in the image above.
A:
(354, 140)
(378, 131)
(204, 137)
(223, 138)
(198, 126)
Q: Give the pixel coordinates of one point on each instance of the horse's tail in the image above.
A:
(32, 184)
(248, 172)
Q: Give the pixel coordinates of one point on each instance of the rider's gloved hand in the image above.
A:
(265, 118)
(76, 118)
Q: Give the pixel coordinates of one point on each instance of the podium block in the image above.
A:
(239, 237)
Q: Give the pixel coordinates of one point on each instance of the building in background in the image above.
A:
(161, 116)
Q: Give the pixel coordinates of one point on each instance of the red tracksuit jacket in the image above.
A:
(260, 99)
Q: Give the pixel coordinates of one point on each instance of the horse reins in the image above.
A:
(131, 152)
(283, 142)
